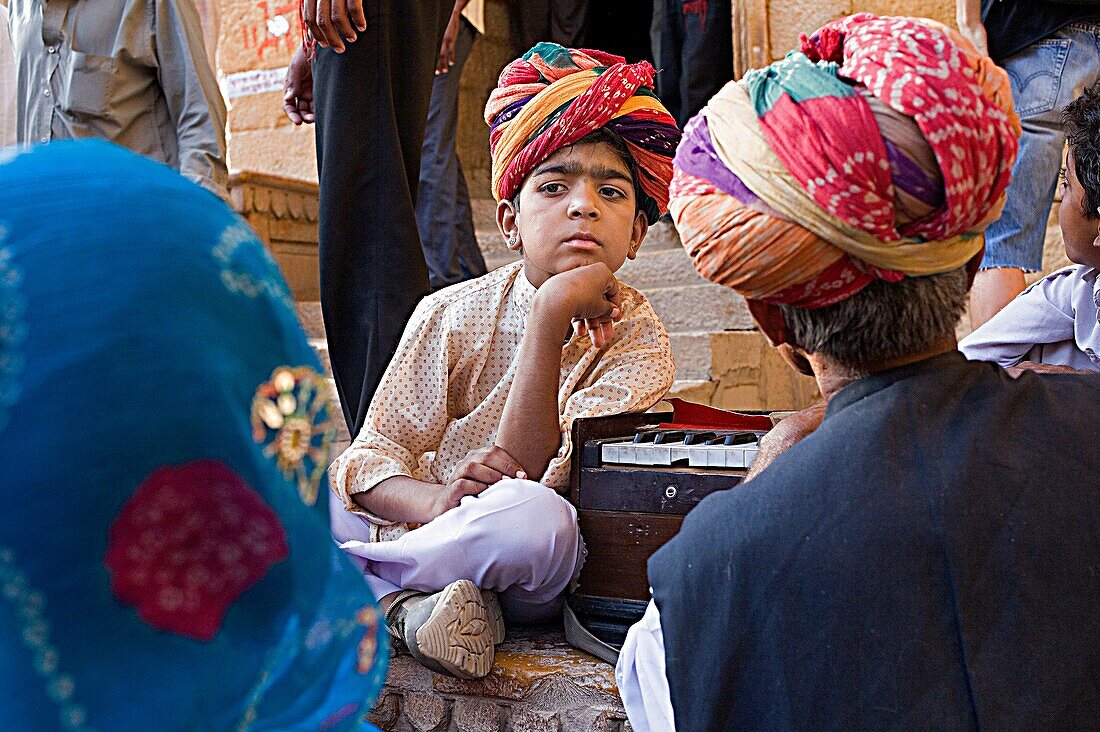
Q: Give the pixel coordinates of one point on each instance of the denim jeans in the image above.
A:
(443, 214)
(1045, 77)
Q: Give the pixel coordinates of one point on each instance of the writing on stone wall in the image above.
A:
(261, 81)
(278, 31)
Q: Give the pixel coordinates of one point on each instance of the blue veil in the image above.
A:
(165, 558)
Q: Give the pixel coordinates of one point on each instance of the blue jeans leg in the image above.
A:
(1045, 77)
(443, 213)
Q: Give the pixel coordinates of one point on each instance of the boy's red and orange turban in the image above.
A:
(554, 96)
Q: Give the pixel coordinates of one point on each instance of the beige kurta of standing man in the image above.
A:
(444, 392)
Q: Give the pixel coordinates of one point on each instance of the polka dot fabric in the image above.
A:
(444, 392)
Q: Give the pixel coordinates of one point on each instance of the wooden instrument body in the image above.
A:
(626, 513)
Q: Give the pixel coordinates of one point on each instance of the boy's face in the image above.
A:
(1080, 234)
(576, 208)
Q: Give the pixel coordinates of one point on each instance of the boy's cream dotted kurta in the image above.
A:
(445, 389)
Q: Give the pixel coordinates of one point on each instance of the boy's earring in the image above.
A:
(512, 240)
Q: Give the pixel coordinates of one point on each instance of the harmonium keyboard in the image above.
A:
(634, 478)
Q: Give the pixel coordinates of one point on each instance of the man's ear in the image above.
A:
(770, 319)
(637, 234)
(1096, 241)
(508, 224)
(795, 358)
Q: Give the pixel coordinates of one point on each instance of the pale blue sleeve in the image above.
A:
(1041, 314)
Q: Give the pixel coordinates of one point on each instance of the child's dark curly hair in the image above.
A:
(1081, 122)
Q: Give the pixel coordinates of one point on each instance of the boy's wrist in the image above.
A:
(550, 311)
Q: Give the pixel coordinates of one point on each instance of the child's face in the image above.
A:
(1079, 233)
(576, 208)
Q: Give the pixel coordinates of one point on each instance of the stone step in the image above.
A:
(662, 235)
(692, 352)
(660, 268)
(309, 315)
(538, 684)
(704, 307)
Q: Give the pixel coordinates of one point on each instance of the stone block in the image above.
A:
(689, 307)
(426, 712)
(475, 715)
(700, 391)
(693, 355)
(788, 18)
(320, 347)
(662, 235)
(386, 711)
(1054, 248)
(531, 720)
(659, 268)
(256, 35)
(749, 374)
(941, 10)
(405, 674)
(259, 112)
(286, 151)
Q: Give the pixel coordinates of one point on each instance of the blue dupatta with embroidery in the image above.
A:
(165, 558)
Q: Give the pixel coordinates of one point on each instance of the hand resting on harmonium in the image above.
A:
(784, 435)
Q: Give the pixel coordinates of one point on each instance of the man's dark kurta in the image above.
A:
(372, 106)
(928, 559)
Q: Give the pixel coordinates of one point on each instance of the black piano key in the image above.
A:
(645, 435)
(741, 438)
(668, 437)
(590, 454)
(699, 438)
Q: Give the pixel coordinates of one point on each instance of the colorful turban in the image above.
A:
(881, 150)
(554, 96)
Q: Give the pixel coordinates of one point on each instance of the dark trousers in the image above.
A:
(372, 105)
(693, 51)
(557, 21)
(443, 212)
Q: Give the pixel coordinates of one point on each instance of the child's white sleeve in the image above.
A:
(1041, 314)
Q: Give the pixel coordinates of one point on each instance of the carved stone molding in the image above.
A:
(283, 213)
(282, 198)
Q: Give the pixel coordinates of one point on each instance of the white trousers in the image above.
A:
(518, 538)
(640, 674)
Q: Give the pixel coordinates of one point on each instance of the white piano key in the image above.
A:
(628, 452)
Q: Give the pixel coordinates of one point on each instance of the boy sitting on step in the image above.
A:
(450, 494)
(1054, 325)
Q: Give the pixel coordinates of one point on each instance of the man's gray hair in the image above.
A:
(882, 321)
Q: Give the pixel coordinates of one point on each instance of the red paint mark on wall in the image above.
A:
(274, 32)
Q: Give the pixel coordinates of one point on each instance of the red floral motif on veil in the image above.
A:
(188, 543)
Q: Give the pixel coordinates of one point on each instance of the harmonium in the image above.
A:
(634, 478)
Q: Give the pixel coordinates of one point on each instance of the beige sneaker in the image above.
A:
(453, 631)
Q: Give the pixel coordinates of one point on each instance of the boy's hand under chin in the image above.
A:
(588, 297)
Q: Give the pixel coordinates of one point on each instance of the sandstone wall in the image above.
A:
(255, 41)
(788, 18)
